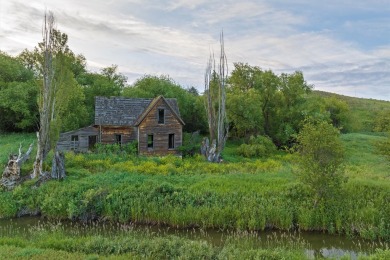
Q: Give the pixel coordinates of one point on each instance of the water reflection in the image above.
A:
(316, 245)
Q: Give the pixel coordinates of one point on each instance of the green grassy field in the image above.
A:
(249, 194)
(239, 194)
(362, 111)
(9, 144)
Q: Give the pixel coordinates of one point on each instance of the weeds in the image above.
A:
(248, 194)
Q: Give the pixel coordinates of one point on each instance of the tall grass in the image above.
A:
(82, 241)
(106, 239)
(248, 194)
(364, 161)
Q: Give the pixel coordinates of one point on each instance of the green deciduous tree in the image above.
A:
(109, 82)
(244, 112)
(321, 158)
(59, 94)
(70, 109)
(292, 101)
(12, 70)
(18, 106)
(18, 89)
(261, 102)
(117, 79)
(245, 77)
(338, 113)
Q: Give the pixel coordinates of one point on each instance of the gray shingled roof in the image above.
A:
(120, 111)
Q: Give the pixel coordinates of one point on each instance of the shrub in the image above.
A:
(384, 146)
(382, 121)
(259, 146)
(321, 158)
(191, 144)
(129, 148)
(9, 206)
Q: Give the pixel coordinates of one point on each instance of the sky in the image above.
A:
(340, 46)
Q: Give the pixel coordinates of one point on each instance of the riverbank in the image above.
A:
(239, 195)
(228, 201)
(37, 238)
(125, 242)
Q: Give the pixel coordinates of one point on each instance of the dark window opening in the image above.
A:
(161, 116)
(118, 139)
(150, 141)
(74, 138)
(92, 140)
(171, 141)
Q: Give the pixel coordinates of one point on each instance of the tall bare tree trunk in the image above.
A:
(217, 119)
(209, 77)
(223, 126)
(46, 95)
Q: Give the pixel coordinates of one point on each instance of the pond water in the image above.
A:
(316, 244)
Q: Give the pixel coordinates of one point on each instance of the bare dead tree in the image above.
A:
(11, 173)
(209, 77)
(215, 91)
(223, 126)
(58, 166)
(46, 96)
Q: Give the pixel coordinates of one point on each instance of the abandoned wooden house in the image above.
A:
(155, 123)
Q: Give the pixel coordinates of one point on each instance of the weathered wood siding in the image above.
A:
(65, 142)
(108, 133)
(132, 119)
(160, 132)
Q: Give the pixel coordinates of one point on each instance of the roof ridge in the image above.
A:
(151, 105)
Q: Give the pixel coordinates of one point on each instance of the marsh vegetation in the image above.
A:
(239, 196)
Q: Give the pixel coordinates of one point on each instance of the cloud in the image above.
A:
(185, 4)
(327, 62)
(256, 11)
(339, 46)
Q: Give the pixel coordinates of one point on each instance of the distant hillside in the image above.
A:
(364, 111)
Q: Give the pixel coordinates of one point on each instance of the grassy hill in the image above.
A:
(363, 111)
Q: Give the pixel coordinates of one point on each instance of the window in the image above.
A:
(118, 139)
(171, 141)
(150, 141)
(161, 116)
(74, 138)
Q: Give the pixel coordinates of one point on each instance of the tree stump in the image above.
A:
(11, 173)
(204, 147)
(58, 166)
(210, 151)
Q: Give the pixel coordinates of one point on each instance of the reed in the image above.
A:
(247, 194)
